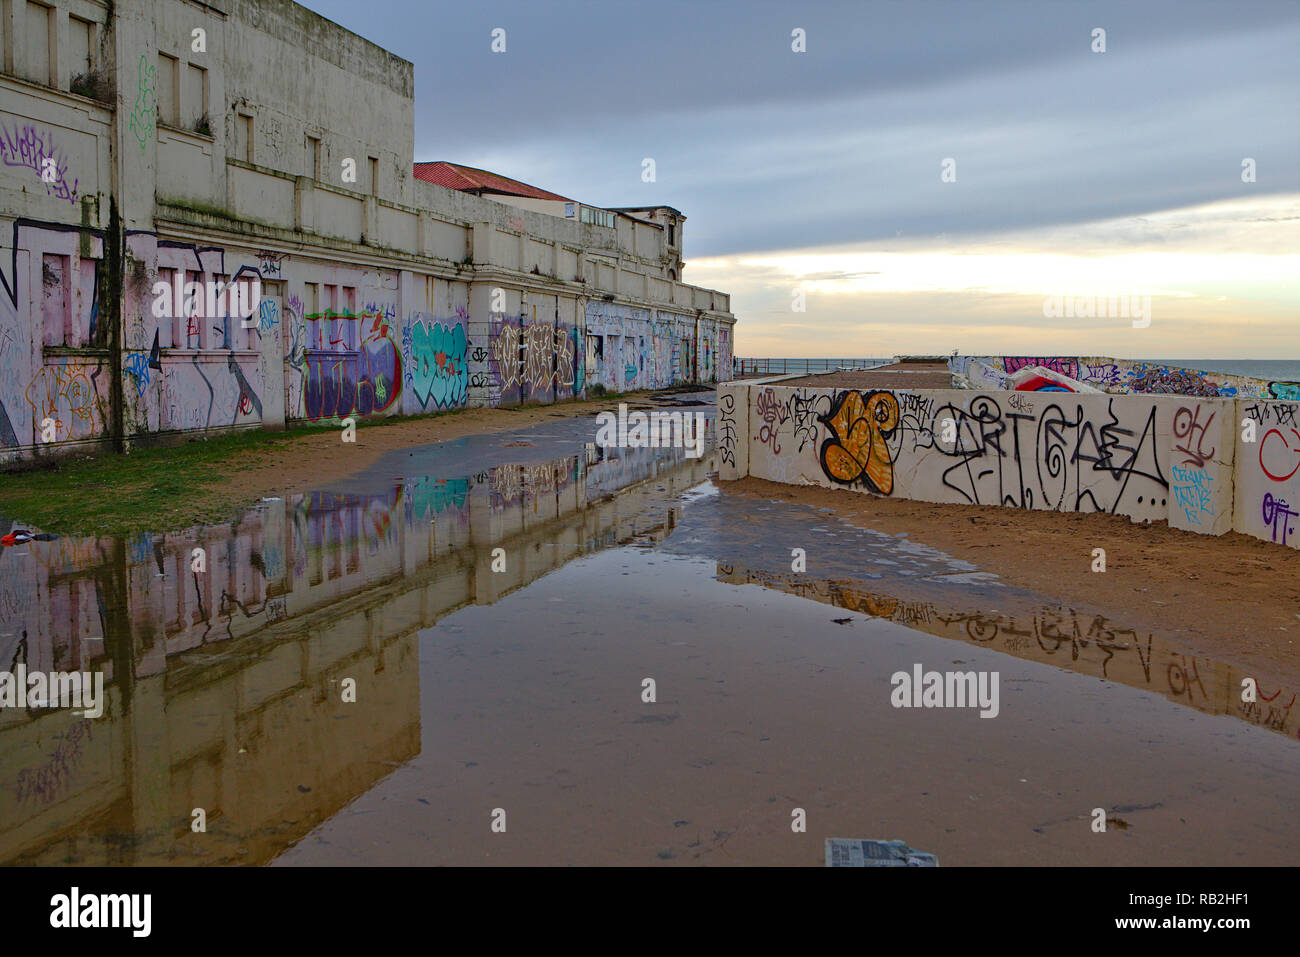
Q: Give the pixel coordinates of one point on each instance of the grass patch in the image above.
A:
(150, 489)
(176, 486)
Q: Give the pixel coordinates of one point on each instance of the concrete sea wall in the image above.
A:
(1204, 465)
(1124, 376)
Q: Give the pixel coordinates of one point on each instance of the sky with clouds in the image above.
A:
(1078, 173)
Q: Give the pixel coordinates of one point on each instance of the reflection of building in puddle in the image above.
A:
(1090, 644)
(224, 685)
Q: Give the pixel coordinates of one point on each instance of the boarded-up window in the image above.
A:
(244, 137)
(313, 157)
(55, 311)
(196, 97)
(196, 335)
(171, 328)
(38, 43)
(168, 96)
(81, 45)
(349, 330)
(85, 316)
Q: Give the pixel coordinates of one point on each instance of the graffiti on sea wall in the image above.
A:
(1268, 471)
(1052, 451)
(1180, 459)
(1126, 376)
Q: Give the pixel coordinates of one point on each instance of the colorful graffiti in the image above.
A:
(1146, 457)
(856, 450)
(1124, 375)
(66, 394)
(1163, 380)
(438, 370)
(341, 382)
(1064, 366)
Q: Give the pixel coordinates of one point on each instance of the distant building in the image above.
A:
(160, 143)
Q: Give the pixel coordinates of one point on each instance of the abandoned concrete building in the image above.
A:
(146, 146)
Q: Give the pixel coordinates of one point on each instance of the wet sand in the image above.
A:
(1232, 598)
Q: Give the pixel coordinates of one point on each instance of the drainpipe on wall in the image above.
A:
(114, 246)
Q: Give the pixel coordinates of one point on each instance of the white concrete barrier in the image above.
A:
(1170, 458)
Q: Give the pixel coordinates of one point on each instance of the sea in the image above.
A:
(1274, 370)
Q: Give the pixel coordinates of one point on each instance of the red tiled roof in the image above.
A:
(468, 179)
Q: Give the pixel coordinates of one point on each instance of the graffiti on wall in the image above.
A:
(1064, 366)
(856, 451)
(1274, 494)
(69, 396)
(1124, 375)
(29, 148)
(1045, 453)
(340, 382)
(727, 428)
(535, 358)
(145, 111)
(437, 367)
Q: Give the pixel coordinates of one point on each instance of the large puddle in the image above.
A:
(459, 640)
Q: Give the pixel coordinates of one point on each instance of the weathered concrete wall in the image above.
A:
(1179, 459)
(382, 294)
(1267, 501)
(1124, 376)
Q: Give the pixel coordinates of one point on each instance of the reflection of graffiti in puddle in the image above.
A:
(512, 482)
(1087, 643)
(53, 778)
(297, 594)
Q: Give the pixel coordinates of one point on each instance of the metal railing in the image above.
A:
(749, 368)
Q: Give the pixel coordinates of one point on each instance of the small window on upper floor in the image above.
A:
(672, 234)
(168, 90)
(374, 176)
(313, 156)
(196, 99)
(38, 42)
(81, 48)
(244, 137)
